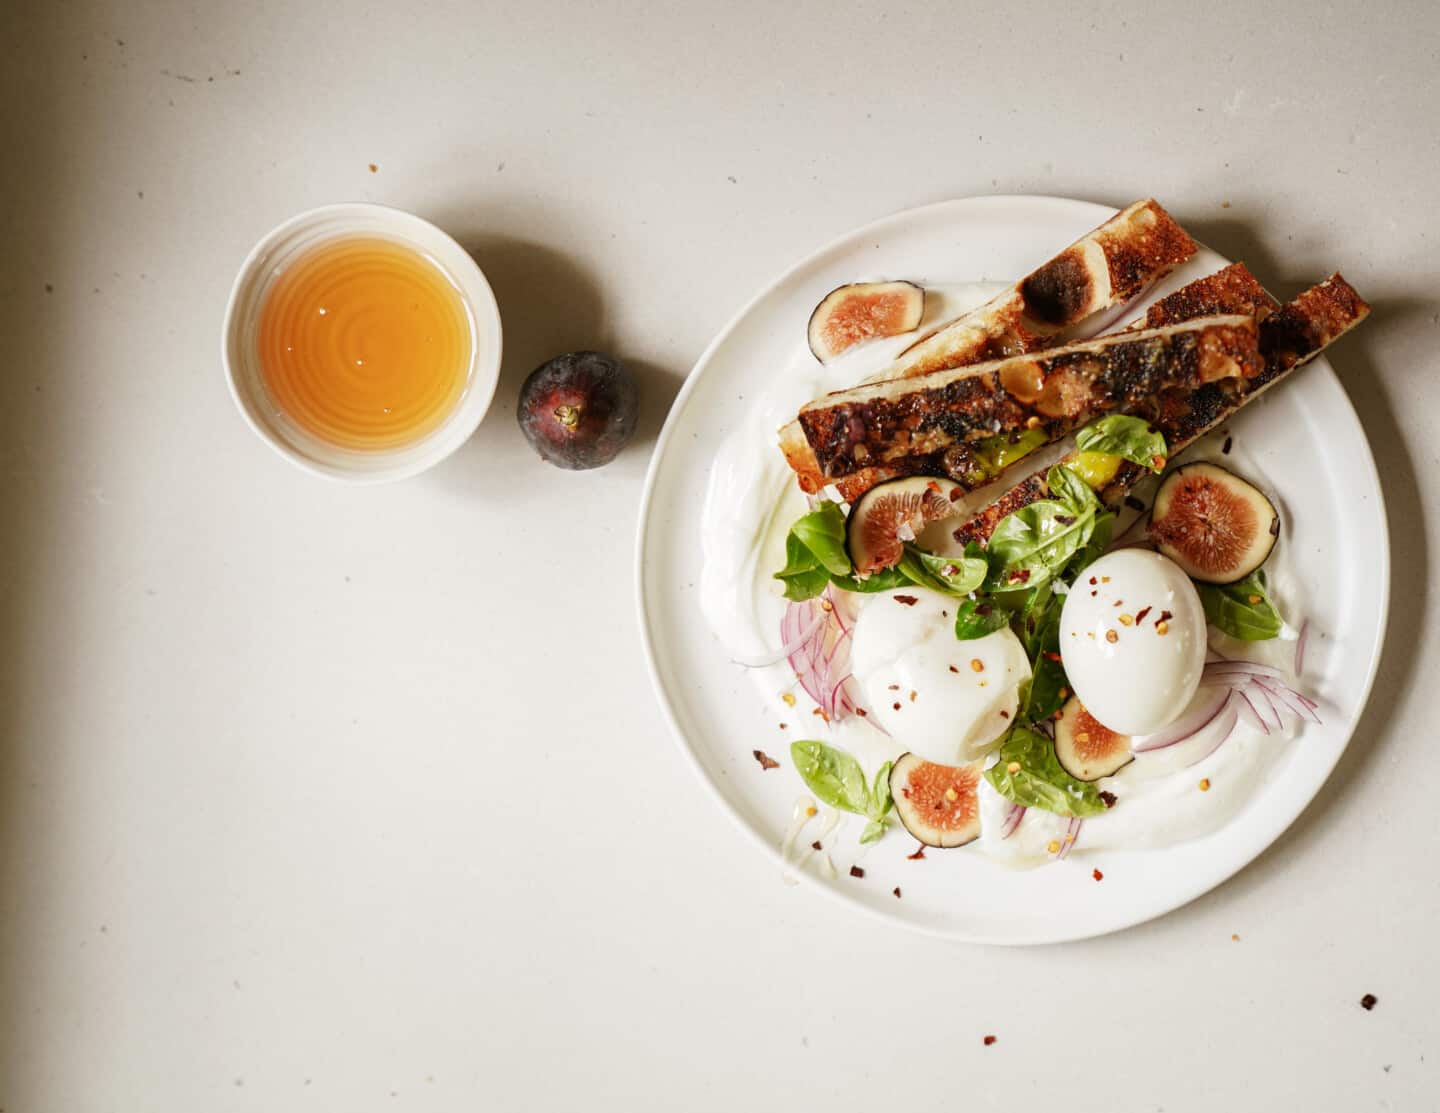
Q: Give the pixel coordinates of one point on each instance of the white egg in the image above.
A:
(1132, 638)
(938, 697)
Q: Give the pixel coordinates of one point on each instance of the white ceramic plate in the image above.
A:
(1304, 435)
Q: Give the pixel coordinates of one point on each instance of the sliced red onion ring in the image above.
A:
(1013, 816)
(1299, 663)
(1249, 711)
(1224, 727)
(1071, 836)
(1200, 716)
(1265, 707)
(799, 640)
(1292, 699)
(1240, 668)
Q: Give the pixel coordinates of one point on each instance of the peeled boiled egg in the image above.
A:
(1132, 639)
(943, 699)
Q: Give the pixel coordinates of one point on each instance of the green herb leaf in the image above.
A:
(1243, 610)
(1033, 544)
(1100, 536)
(884, 580)
(822, 531)
(802, 575)
(1040, 782)
(947, 575)
(974, 618)
(1072, 490)
(834, 776)
(880, 799)
(1130, 438)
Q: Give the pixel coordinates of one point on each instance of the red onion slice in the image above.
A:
(1292, 699)
(1071, 836)
(796, 642)
(1232, 669)
(1200, 716)
(1265, 707)
(1299, 663)
(1249, 711)
(1013, 816)
(1224, 727)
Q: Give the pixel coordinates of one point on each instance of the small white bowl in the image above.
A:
(242, 364)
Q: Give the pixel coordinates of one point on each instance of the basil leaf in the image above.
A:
(1073, 491)
(802, 575)
(874, 831)
(822, 531)
(884, 580)
(880, 799)
(1130, 438)
(1038, 780)
(948, 575)
(1033, 544)
(974, 618)
(1100, 536)
(1243, 610)
(834, 776)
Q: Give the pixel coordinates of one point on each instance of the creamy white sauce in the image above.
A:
(750, 503)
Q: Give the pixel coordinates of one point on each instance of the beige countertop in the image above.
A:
(315, 797)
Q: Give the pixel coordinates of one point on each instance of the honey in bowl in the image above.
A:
(365, 343)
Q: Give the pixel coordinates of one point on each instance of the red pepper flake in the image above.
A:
(1139, 618)
(893, 687)
(919, 854)
(1158, 462)
(1093, 581)
(956, 494)
(1108, 799)
(1004, 714)
(1112, 636)
(989, 1040)
(861, 712)
(896, 891)
(954, 669)
(1165, 616)
(896, 705)
(1225, 448)
(816, 845)
(374, 169)
(765, 760)
(856, 871)
(933, 487)
(908, 600)
(912, 695)
(1368, 1001)
(784, 726)
(1051, 656)
(1019, 576)
(1097, 875)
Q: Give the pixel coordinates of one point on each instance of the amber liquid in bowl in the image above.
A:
(365, 343)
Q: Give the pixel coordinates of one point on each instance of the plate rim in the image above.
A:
(1100, 212)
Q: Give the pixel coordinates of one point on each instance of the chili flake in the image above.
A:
(1141, 616)
(1162, 628)
(919, 854)
(989, 1040)
(789, 698)
(977, 665)
(856, 871)
(1111, 636)
(1053, 846)
(1097, 875)
(765, 760)
(816, 845)
(954, 669)
(896, 891)
(1368, 1001)
(1204, 784)
(1127, 620)
(1108, 799)
(907, 600)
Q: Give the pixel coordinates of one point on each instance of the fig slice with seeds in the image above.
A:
(861, 311)
(889, 514)
(938, 804)
(1086, 747)
(1213, 524)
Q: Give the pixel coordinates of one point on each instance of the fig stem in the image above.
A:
(568, 416)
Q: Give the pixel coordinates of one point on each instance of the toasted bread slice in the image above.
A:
(934, 419)
(1290, 336)
(1104, 268)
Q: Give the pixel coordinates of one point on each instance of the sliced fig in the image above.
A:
(1213, 524)
(862, 311)
(889, 514)
(938, 804)
(1086, 747)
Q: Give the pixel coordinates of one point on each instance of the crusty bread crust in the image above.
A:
(1105, 267)
(933, 420)
(1290, 336)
